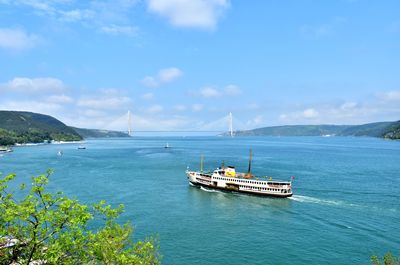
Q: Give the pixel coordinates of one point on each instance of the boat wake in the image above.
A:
(308, 199)
(207, 190)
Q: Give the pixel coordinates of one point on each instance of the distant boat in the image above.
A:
(167, 146)
(81, 147)
(60, 153)
(5, 149)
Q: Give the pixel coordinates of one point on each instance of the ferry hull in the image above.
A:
(261, 194)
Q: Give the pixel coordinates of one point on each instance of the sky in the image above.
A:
(185, 64)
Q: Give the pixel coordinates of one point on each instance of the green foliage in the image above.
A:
(388, 259)
(50, 228)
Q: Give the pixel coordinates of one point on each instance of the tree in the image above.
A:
(388, 259)
(41, 227)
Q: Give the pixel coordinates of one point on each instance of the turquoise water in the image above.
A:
(346, 205)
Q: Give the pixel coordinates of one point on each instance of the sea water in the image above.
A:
(345, 208)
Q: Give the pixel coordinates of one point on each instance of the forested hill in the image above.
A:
(29, 127)
(94, 133)
(390, 130)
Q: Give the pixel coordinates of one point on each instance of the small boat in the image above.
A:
(60, 153)
(5, 149)
(81, 147)
(167, 146)
(227, 179)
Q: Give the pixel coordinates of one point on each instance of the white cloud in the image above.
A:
(348, 106)
(104, 102)
(120, 30)
(157, 123)
(91, 113)
(232, 90)
(163, 76)
(179, 108)
(310, 113)
(96, 109)
(76, 15)
(253, 106)
(203, 14)
(154, 109)
(33, 106)
(256, 121)
(149, 81)
(148, 96)
(103, 15)
(62, 99)
(169, 74)
(17, 39)
(383, 107)
(393, 95)
(197, 107)
(33, 85)
(41, 6)
(209, 92)
(307, 115)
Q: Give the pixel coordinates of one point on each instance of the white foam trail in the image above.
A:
(308, 199)
(202, 188)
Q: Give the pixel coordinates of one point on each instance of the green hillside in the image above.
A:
(29, 127)
(390, 130)
(295, 130)
(375, 129)
(94, 133)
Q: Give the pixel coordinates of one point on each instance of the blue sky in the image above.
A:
(184, 65)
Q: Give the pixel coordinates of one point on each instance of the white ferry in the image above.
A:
(226, 178)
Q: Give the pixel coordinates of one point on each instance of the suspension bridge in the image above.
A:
(126, 123)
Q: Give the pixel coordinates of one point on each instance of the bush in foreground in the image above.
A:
(388, 259)
(49, 228)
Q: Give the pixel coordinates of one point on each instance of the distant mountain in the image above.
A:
(295, 130)
(390, 130)
(95, 133)
(29, 127)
